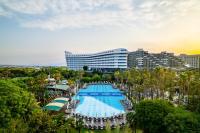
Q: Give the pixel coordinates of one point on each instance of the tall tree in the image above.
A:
(150, 115)
(117, 76)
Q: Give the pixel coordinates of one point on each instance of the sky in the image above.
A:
(37, 32)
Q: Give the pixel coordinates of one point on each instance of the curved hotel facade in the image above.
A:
(107, 60)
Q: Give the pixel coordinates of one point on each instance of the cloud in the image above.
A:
(24, 6)
(59, 14)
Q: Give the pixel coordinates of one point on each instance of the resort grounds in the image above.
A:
(55, 99)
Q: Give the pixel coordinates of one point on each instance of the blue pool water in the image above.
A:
(99, 101)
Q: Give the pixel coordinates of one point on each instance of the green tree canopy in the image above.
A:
(15, 103)
(150, 115)
(181, 121)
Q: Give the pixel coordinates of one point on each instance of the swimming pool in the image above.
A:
(100, 100)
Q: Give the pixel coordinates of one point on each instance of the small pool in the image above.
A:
(100, 100)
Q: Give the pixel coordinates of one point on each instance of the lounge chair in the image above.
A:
(99, 119)
(113, 126)
(95, 127)
(99, 126)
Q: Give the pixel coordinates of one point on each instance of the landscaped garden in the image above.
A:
(164, 100)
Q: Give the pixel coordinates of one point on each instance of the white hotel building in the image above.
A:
(107, 60)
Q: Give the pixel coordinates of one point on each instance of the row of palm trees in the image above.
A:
(163, 83)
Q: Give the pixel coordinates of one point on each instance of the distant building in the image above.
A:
(107, 60)
(142, 59)
(192, 61)
(169, 60)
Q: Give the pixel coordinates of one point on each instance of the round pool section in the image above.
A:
(99, 100)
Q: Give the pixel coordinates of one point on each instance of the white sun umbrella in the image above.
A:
(92, 122)
(114, 122)
(67, 105)
(124, 118)
(62, 98)
(101, 120)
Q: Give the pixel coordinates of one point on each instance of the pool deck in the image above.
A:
(100, 122)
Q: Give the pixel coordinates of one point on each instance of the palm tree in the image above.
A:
(117, 76)
(160, 78)
(131, 80)
(195, 94)
(125, 75)
(170, 83)
(57, 76)
(190, 78)
(40, 85)
(185, 80)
